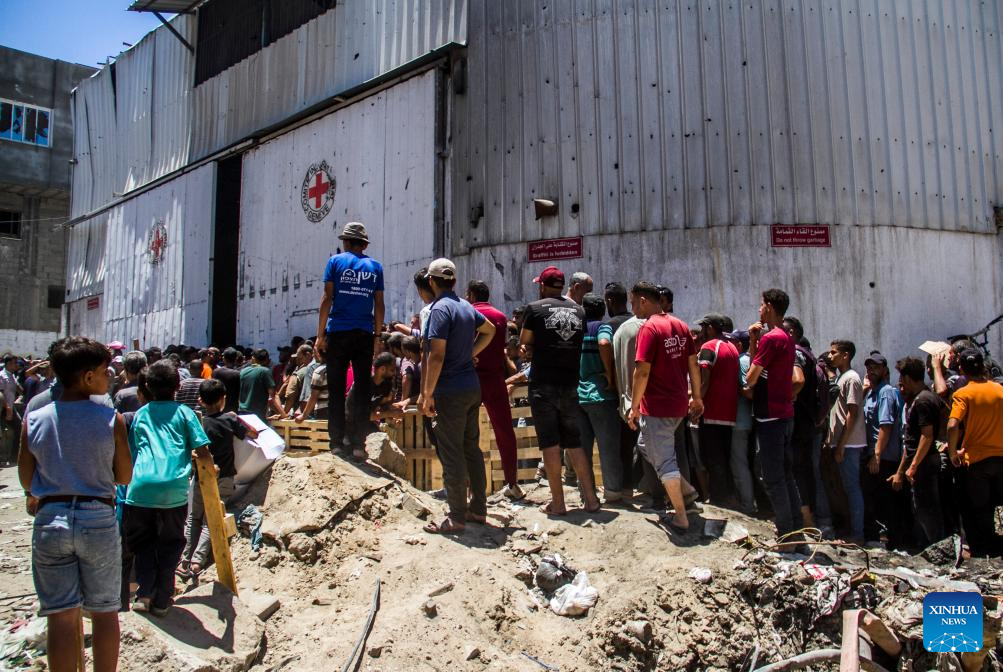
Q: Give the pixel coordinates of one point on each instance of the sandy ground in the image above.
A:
(332, 529)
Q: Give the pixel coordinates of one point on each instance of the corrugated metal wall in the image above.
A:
(152, 122)
(133, 126)
(159, 303)
(382, 153)
(647, 115)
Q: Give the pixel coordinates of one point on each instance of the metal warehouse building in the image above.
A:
(216, 160)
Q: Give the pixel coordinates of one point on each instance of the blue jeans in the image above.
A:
(822, 513)
(76, 557)
(849, 471)
(601, 422)
(776, 464)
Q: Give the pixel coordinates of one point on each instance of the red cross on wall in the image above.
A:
(318, 189)
(158, 244)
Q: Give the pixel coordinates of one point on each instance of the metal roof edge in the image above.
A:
(316, 111)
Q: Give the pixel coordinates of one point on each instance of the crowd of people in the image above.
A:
(681, 415)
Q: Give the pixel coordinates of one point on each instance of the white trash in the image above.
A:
(701, 574)
(575, 598)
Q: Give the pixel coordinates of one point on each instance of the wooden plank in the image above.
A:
(214, 514)
(229, 524)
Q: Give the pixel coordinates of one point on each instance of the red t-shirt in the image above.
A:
(492, 358)
(664, 342)
(721, 401)
(772, 395)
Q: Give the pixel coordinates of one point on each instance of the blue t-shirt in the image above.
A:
(591, 372)
(73, 443)
(162, 437)
(456, 321)
(883, 406)
(743, 420)
(356, 280)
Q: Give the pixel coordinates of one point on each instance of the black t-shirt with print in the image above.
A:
(924, 410)
(221, 428)
(558, 326)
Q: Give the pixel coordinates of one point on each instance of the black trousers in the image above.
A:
(984, 492)
(353, 347)
(884, 508)
(715, 448)
(156, 538)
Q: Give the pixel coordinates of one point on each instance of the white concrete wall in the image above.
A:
(26, 343)
(885, 288)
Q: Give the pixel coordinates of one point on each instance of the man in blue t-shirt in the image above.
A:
(884, 507)
(451, 396)
(351, 319)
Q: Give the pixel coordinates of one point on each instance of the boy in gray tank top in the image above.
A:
(73, 452)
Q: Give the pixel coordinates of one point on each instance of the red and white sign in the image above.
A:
(803, 235)
(555, 249)
(317, 192)
(93, 303)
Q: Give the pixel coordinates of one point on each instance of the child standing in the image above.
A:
(73, 452)
(163, 435)
(220, 427)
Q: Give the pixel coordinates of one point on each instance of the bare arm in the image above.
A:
(310, 404)
(642, 371)
(25, 461)
(752, 377)
(608, 363)
(430, 376)
(122, 463)
(704, 379)
(379, 311)
(696, 403)
(954, 441)
(485, 333)
(325, 311)
(939, 381)
(925, 444)
(797, 381)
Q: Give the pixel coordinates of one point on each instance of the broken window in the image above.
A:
(24, 123)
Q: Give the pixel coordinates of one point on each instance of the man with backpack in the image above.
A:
(811, 406)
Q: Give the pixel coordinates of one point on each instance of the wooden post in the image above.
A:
(135, 344)
(214, 514)
(81, 664)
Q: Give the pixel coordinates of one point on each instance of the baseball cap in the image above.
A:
(354, 231)
(740, 336)
(722, 323)
(877, 359)
(442, 268)
(551, 276)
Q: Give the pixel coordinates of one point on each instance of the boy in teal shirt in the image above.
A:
(162, 437)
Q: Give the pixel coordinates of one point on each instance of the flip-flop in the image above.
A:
(474, 518)
(446, 527)
(681, 531)
(595, 510)
(545, 509)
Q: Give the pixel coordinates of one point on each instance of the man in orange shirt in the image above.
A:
(979, 405)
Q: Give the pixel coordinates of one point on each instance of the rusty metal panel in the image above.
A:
(640, 115)
(380, 153)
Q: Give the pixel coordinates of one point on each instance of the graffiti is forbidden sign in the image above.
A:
(805, 235)
(555, 249)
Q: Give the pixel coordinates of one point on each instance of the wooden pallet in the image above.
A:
(424, 470)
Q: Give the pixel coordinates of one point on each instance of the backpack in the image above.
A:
(814, 395)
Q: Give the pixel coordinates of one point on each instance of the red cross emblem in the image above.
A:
(317, 193)
(157, 244)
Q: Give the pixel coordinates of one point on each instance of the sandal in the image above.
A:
(445, 527)
(597, 509)
(474, 518)
(667, 522)
(545, 509)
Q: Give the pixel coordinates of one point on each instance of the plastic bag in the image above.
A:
(575, 598)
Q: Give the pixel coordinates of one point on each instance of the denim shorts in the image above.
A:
(76, 558)
(657, 443)
(555, 415)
